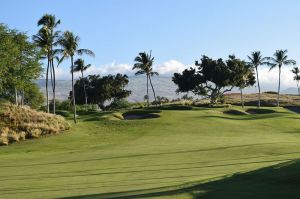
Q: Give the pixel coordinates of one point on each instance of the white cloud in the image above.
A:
(166, 68)
(170, 67)
(271, 77)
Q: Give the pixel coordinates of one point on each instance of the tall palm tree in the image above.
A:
(296, 72)
(69, 43)
(79, 66)
(42, 39)
(144, 64)
(279, 59)
(47, 38)
(256, 60)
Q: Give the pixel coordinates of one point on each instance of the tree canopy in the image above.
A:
(101, 90)
(212, 78)
(19, 65)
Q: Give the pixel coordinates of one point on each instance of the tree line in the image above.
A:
(213, 78)
(22, 59)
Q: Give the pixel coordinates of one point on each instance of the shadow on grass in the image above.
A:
(279, 181)
(260, 111)
(245, 117)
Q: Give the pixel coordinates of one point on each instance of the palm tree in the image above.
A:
(296, 72)
(69, 44)
(47, 38)
(144, 64)
(42, 39)
(79, 66)
(280, 59)
(256, 60)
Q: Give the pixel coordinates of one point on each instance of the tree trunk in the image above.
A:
(22, 99)
(16, 96)
(278, 93)
(153, 90)
(47, 93)
(147, 91)
(242, 98)
(258, 105)
(85, 95)
(73, 91)
(298, 87)
(53, 86)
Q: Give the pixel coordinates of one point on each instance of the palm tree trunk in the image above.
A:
(73, 91)
(153, 90)
(53, 86)
(147, 91)
(298, 87)
(47, 93)
(258, 105)
(278, 93)
(242, 98)
(84, 89)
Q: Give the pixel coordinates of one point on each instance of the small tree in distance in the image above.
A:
(296, 73)
(244, 75)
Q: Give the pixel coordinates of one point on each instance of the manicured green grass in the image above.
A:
(201, 153)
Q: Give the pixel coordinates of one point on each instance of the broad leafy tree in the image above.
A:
(211, 78)
(244, 76)
(102, 90)
(19, 66)
(279, 60)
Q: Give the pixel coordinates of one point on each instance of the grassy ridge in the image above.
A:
(267, 99)
(177, 154)
(20, 123)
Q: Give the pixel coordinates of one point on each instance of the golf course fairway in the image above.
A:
(201, 153)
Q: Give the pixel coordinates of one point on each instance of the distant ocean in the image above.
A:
(163, 86)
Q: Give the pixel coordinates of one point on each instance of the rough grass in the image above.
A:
(20, 123)
(201, 153)
(267, 99)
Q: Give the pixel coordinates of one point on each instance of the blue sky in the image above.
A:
(178, 32)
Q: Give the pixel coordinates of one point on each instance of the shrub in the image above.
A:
(34, 133)
(22, 136)
(22, 122)
(3, 141)
(119, 104)
(13, 136)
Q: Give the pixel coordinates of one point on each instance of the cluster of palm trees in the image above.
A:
(278, 60)
(56, 47)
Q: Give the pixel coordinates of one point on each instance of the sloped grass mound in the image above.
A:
(235, 112)
(260, 111)
(21, 123)
(141, 114)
